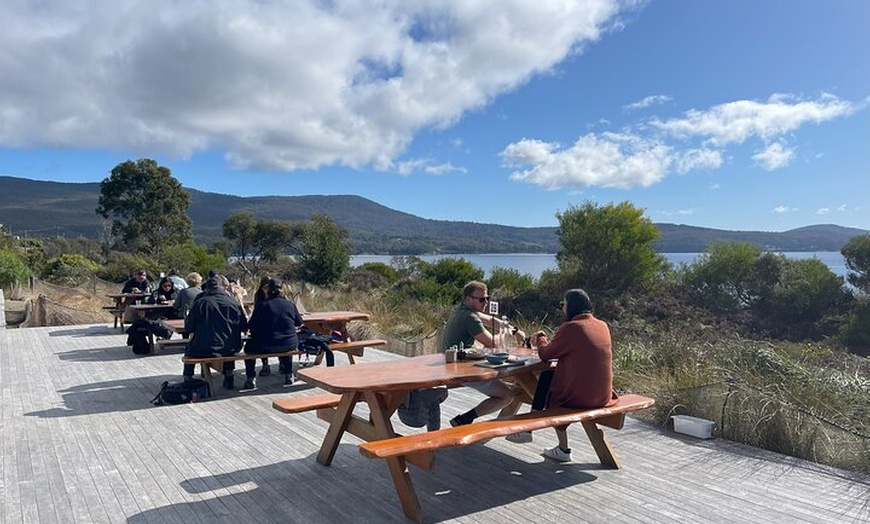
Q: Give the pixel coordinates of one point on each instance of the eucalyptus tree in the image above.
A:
(146, 205)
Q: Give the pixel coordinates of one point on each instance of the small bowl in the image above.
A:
(497, 358)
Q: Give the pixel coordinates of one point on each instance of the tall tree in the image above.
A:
(324, 252)
(240, 229)
(607, 249)
(147, 206)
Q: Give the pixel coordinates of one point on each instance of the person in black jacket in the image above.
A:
(215, 323)
(273, 330)
(138, 283)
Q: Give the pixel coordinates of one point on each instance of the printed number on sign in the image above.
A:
(493, 307)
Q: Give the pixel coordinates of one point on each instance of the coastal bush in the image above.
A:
(190, 256)
(122, 265)
(438, 282)
(856, 252)
(371, 275)
(12, 268)
(509, 281)
(324, 253)
(730, 276)
(804, 302)
(608, 249)
(68, 270)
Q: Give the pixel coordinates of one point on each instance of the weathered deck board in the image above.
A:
(80, 443)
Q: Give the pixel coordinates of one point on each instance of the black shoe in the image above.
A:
(288, 380)
(265, 371)
(249, 385)
(228, 382)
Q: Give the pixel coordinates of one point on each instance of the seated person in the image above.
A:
(215, 323)
(273, 330)
(176, 279)
(138, 283)
(184, 298)
(584, 377)
(165, 292)
(465, 326)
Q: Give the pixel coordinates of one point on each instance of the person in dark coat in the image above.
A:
(261, 295)
(273, 328)
(138, 283)
(215, 322)
(165, 292)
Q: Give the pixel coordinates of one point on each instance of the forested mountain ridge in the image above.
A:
(38, 208)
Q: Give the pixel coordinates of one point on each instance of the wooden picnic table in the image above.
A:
(143, 309)
(120, 303)
(383, 386)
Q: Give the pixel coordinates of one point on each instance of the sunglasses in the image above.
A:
(482, 300)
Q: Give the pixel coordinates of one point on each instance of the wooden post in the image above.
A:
(2, 310)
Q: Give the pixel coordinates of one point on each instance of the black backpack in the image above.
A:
(137, 337)
(191, 390)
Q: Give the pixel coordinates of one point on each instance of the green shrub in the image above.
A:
(12, 268)
(190, 256)
(509, 281)
(68, 270)
(122, 265)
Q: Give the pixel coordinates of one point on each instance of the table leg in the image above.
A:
(336, 428)
(600, 445)
(398, 467)
(528, 382)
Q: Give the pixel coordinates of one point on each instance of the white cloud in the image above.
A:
(734, 122)
(277, 85)
(823, 211)
(715, 186)
(647, 101)
(607, 160)
(774, 156)
(686, 212)
(423, 165)
(842, 207)
(698, 159)
(784, 209)
(696, 141)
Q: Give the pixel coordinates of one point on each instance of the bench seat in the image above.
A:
(117, 313)
(611, 416)
(171, 343)
(353, 348)
(306, 403)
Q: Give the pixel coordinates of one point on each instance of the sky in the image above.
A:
(742, 115)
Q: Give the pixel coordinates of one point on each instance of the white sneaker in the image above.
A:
(556, 453)
(520, 438)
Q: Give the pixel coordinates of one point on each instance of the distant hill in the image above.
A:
(44, 209)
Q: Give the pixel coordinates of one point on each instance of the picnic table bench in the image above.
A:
(460, 436)
(207, 364)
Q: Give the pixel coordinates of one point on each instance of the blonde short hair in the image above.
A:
(194, 279)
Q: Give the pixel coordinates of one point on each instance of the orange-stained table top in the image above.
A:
(412, 373)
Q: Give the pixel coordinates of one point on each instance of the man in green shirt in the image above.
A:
(465, 326)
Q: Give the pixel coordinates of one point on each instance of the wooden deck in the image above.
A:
(80, 443)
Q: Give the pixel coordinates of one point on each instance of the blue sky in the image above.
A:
(744, 114)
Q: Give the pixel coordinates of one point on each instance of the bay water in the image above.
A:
(536, 263)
